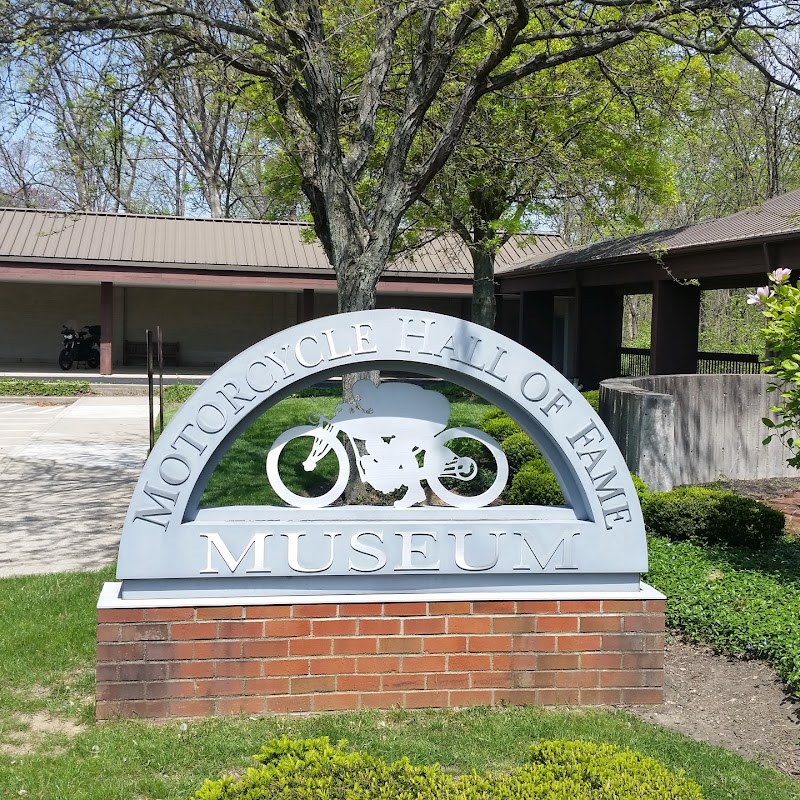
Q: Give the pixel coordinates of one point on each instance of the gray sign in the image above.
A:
(172, 548)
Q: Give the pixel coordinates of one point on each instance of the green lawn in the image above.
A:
(241, 479)
(740, 602)
(127, 759)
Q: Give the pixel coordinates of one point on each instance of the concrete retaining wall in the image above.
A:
(685, 429)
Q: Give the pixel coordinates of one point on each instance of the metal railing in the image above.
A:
(737, 363)
(635, 362)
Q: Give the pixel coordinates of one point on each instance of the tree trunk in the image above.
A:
(357, 282)
(484, 304)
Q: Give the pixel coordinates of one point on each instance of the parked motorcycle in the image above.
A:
(82, 345)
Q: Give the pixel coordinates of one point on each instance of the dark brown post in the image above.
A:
(599, 334)
(675, 328)
(307, 305)
(160, 381)
(149, 345)
(106, 326)
(536, 323)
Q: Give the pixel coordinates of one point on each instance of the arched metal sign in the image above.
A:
(171, 547)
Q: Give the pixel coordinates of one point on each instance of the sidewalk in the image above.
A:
(67, 472)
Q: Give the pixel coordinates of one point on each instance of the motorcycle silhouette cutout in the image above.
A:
(404, 436)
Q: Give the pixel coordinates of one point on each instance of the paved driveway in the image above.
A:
(67, 472)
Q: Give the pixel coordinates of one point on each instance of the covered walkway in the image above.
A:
(571, 303)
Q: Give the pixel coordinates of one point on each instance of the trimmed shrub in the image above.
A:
(18, 387)
(519, 450)
(304, 770)
(607, 772)
(712, 515)
(535, 485)
(641, 487)
(500, 428)
(493, 413)
(592, 398)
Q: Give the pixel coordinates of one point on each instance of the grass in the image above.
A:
(16, 387)
(47, 643)
(133, 759)
(240, 478)
(731, 599)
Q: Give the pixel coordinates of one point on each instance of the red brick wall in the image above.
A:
(175, 662)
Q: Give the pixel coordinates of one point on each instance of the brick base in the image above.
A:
(180, 662)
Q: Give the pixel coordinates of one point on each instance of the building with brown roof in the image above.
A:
(214, 286)
(571, 302)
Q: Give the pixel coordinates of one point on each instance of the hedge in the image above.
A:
(535, 484)
(712, 515)
(17, 387)
(179, 392)
(519, 450)
(314, 769)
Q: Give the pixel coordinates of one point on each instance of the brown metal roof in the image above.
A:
(102, 239)
(779, 216)
(97, 238)
(448, 255)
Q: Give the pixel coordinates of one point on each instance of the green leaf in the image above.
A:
(768, 422)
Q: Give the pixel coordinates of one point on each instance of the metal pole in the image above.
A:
(149, 345)
(160, 382)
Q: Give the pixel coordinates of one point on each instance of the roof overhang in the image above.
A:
(714, 265)
(207, 277)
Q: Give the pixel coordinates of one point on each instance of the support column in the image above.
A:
(507, 319)
(599, 334)
(536, 323)
(307, 305)
(106, 326)
(675, 328)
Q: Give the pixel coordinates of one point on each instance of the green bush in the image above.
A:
(519, 450)
(535, 485)
(313, 768)
(641, 487)
(16, 387)
(592, 398)
(493, 413)
(179, 392)
(500, 428)
(711, 515)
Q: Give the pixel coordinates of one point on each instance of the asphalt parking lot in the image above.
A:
(67, 471)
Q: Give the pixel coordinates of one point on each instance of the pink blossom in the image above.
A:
(761, 294)
(780, 275)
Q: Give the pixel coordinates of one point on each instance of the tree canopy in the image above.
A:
(373, 97)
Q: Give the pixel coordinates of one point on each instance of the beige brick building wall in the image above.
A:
(211, 325)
